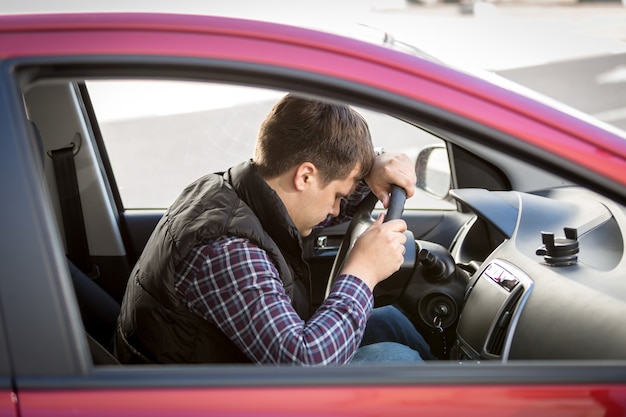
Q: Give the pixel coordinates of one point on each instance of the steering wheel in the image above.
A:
(390, 289)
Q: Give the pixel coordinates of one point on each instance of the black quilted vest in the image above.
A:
(155, 326)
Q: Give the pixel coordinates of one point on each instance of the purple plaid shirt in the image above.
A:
(233, 284)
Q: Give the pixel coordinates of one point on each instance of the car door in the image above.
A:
(51, 370)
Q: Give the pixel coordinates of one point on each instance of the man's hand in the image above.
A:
(378, 252)
(390, 169)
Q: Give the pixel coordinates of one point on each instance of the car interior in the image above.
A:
(507, 260)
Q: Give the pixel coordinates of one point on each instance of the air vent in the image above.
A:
(495, 343)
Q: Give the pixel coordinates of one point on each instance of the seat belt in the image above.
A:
(72, 210)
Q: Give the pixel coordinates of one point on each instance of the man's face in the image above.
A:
(319, 200)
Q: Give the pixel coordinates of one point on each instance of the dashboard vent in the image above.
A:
(495, 344)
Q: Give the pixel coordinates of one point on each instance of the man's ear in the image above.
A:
(305, 174)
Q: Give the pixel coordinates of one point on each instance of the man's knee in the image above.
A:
(385, 352)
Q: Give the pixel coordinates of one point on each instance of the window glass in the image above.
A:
(162, 135)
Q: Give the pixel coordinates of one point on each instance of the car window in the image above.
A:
(162, 135)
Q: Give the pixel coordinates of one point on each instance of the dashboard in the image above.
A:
(550, 278)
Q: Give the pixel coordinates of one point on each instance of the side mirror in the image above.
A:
(433, 171)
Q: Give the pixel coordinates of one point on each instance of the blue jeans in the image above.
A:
(391, 337)
(385, 352)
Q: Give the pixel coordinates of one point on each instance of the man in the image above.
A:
(222, 278)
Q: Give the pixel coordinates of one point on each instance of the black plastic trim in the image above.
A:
(470, 373)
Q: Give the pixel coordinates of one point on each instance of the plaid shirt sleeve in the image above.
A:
(232, 284)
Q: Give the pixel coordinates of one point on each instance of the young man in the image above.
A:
(222, 279)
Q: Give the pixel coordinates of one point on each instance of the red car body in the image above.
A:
(80, 38)
(448, 400)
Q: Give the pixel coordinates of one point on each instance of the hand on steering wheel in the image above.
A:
(361, 221)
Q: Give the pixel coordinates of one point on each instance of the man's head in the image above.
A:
(333, 137)
(309, 151)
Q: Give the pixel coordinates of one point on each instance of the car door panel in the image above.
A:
(176, 393)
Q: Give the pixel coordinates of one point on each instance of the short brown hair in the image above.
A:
(333, 137)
